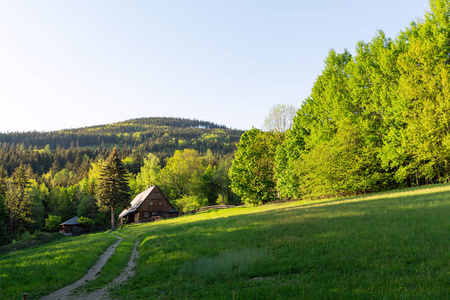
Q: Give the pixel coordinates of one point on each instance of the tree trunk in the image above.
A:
(113, 227)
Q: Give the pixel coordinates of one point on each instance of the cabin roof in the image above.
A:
(137, 201)
(73, 221)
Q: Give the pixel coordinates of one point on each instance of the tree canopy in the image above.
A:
(375, 120)
(252, 172)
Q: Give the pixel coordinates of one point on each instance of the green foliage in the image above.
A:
(64, 201)
(149, 175)
(189, 203)
(161, 136)
(182, 174)
(52, 223)
(63, 168)
(376, 120)
(252, 172)
(88, 207)
(222, 180)
(16, 202)
(85, 221)
(113, 189)
(4, 236)
(36, 196)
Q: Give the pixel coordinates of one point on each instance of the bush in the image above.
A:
(52, 223)
(84, 221)
(190, 203)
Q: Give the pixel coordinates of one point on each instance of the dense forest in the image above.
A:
(375, 120)
(54, 175)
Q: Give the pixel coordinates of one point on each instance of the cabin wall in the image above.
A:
(155, 202)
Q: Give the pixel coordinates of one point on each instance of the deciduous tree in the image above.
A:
(280, 118)
(252, 172)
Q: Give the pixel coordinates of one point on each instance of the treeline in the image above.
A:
(134, 138)
(39, 183)
(376, 120)
(161, 136)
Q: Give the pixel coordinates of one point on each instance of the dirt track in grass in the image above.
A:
(129, 271)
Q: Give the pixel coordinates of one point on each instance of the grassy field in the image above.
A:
(114, 266)
(40, 270)
(393, 245)
(389, 245)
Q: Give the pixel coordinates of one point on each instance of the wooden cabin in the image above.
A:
(150, 205)
(71, 227)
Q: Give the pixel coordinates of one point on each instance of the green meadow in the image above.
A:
(388, 245)
(392, 245)
(41, 270)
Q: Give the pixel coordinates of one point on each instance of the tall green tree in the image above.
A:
(252, 173)
(4, 236)
(149, 174)
(16, 198)
(113, 189)
(375, 120)
(182, 174)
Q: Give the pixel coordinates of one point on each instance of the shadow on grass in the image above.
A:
(391, 247)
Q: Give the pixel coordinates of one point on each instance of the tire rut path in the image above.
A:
(129, 271)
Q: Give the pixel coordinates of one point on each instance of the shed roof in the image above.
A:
(73, 221)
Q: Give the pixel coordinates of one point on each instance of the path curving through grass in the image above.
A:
(127, 273)
(90, 275)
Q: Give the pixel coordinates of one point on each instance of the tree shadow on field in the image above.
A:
(342, 247)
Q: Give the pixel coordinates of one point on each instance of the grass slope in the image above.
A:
(388, 245)
(113, 267)
(41, 270)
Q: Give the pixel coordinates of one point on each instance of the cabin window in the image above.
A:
(159, 203)
(150, 202)
(146, 214)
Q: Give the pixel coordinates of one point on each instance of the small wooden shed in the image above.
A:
(71, 227)
(150, 205)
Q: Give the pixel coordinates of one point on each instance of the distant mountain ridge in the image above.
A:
(139, 124)
(159, 135)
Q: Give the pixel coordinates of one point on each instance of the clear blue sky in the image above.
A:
(68, 64)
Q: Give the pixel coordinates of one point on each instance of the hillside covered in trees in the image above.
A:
(54, 175)
(136, 138)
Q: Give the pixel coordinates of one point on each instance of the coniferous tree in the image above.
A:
(113, 189)
(15, 198)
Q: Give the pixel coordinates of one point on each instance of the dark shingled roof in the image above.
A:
(73, 221)
(137, 201)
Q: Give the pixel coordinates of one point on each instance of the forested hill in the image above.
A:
(160, 136)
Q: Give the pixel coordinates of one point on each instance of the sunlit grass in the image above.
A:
(114, 266)
(41, 270)
(386, 245)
